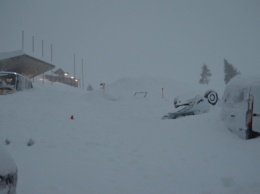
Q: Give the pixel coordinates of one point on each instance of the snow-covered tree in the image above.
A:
(230, 71)
(205, 74)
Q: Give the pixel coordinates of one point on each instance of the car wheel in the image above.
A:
(212, 97)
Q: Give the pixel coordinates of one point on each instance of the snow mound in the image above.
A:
(7, 164)
(134, 87)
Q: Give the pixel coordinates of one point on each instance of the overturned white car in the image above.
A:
(192, 106)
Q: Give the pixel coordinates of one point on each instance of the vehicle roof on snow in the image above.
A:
(244, 80)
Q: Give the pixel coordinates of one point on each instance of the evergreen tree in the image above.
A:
(230, 71)
(90, 88)
(205, 75)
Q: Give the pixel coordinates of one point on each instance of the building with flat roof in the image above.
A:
(24, 64)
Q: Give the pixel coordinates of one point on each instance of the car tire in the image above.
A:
(212, 97)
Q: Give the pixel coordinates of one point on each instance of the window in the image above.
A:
(234, 95)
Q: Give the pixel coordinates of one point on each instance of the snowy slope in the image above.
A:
(118, 142)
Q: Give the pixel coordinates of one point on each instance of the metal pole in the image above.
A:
(51, 69)
(162, 93)
(22, 40)
(42, 48)
(42, 56)
(74, 65)
(82, 75)
(33, 44)
(51, 52)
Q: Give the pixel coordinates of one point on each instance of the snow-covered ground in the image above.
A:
(118, 143)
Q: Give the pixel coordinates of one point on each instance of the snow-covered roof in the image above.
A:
(21, 62)
(59, 71)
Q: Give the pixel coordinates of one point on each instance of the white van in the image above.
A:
(241, 106)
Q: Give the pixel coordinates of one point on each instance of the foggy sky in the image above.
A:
(128, 38)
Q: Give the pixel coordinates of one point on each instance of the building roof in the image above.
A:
(59, 72)
(23, 63)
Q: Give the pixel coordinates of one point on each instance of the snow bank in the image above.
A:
(7, 164)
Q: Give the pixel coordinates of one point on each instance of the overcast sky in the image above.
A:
(128, 38)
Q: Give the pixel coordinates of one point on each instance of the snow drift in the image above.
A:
(118, 143)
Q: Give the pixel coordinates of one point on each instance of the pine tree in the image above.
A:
(90, 88)
(205, 75)
(230, 71)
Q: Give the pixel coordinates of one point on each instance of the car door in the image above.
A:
(255, 92)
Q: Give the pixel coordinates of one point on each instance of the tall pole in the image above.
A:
(33, 44)
(74, 66)
(42, 48)
(82, 75)
(51, 69)
(51, 52)
(42, 56)
(22, 40)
